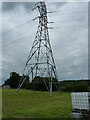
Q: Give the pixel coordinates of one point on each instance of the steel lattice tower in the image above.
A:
(40, 61)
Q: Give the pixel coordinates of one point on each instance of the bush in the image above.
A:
(79, 87)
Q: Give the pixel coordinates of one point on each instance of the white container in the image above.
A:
(81, 100)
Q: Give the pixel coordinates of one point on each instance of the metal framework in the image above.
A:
(40, 61)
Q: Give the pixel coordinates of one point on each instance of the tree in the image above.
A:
(38, 83)
(14, 79)
(77, 87)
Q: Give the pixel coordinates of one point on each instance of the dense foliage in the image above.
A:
(38, 83)
(14, 79)
(41, 84)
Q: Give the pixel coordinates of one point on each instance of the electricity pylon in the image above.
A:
(40, 61)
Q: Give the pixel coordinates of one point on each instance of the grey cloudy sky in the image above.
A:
(69, 37)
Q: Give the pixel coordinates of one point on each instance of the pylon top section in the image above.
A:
(42, 9)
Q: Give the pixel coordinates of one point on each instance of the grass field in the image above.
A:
(0, 103)
(29, 104)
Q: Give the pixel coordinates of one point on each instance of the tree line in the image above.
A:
(38, 84)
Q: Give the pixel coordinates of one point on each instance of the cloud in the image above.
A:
(0, 43)
(9, 6)
(71, 42)
(69, 39)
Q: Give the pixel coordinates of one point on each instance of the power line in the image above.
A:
(52, 12)
(30, 10)
(14, 36)
(74, 13)
(28, 21)
(24, 12)
(17, 33)
(64, 27)
(53, 27)
(80, 10)
(21, 25)
(17, 18)
(67, 21)
(20, 38)
(74, 8)
(70, 26)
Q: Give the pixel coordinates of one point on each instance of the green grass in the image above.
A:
(0, 103)
(29, 104)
